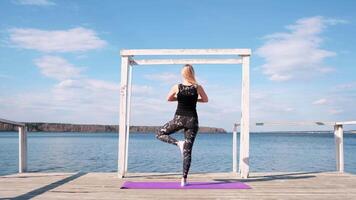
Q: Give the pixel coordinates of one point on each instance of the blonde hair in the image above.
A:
(189, 74)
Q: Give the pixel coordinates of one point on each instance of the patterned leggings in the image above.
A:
(191, 127)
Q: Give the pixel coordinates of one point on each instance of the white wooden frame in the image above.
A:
(128, 61)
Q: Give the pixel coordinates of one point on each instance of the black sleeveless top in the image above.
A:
(187, 97)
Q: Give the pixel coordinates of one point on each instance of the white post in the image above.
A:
(128, 114)
(245, 118)
(339, 144)
(234, 149)
(123, 116)
(22, 149)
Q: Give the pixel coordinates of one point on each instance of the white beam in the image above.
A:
(22, 149)
(5, 121)
(133, 52)
(305, 123)
(185, 61)
(123, 117)
(339, 145)
(129, 90)
(245, 118)
(346, 123)
(234, 149)
(290, 123)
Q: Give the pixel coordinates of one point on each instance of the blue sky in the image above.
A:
(60, 59)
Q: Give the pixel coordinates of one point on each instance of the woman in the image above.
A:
(187, 94)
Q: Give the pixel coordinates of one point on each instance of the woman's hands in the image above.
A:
(203, 97)
(172, 94)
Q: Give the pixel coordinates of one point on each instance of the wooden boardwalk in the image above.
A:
(282, 185)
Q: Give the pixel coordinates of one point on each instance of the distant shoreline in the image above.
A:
(93, 128)
(100, 128)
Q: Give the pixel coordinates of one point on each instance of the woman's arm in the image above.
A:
(172, 93)
(203, 97)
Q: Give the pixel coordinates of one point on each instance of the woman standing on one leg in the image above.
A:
(187, 94)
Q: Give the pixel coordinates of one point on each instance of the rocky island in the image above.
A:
(93, 128)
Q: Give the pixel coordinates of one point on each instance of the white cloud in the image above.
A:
(36, 2)
(4, 76)
(269, 108)
(94, 84)
(336, 111)
(71, 77)
(170, 78)
(142, 90)
(102, 85)
(82, 101)
(296, 53)
(57, 67)
(289, 109)
(85, 100)
(166, 77)
(70, 83)
(320, 102)
(76, 98)
(346, 86)
(72, 40)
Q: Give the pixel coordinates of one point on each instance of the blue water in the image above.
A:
(95, 152)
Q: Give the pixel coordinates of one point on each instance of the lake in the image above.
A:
(97, 152)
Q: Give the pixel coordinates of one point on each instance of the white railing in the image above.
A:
(22, 143)
(338, 135)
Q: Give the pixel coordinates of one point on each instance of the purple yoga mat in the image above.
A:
(190, 185)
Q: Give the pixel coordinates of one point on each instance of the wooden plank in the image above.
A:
(185, 61)
(22, 149)
(339, 145)
(104, 186)
(123, 117)
(133, 52)
(5, 121)
(245, 118)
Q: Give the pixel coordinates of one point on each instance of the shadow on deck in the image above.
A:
(44, 189)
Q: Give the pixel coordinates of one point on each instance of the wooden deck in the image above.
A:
(299, 185)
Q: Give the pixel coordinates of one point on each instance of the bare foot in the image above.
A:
(180, 144)
(183, 182)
